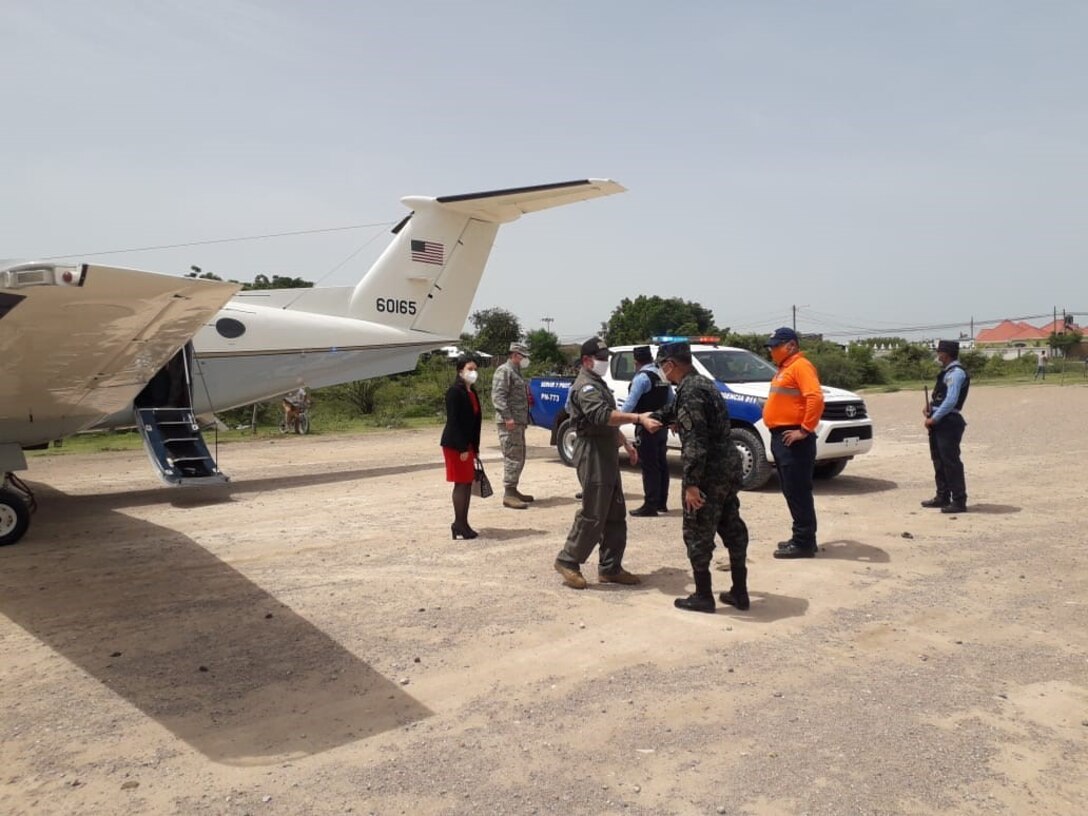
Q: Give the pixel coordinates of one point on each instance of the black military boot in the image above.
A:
(955, 506)
(937, 501)
(738, 594)
(703, 599)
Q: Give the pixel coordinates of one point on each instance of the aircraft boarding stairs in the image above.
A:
(176, 446)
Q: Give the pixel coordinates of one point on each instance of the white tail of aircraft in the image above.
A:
(112, 347)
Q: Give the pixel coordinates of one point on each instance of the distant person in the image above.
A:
(650, 391)
(601, 521)
(294, 405)
(792, 412)
(461, 442)
(510, 396)
(1040, 367)
(946, 425)
(712, 477)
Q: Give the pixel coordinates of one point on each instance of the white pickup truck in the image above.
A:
(744, 378)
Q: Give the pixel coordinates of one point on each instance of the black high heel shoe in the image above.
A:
(465, 532)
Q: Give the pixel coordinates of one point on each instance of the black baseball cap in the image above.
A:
(595, 347)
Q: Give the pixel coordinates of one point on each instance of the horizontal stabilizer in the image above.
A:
(506, 205)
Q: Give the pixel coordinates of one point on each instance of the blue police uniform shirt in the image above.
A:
(954, 379)
(641, 385)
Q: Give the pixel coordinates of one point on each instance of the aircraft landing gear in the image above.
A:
(16, 504)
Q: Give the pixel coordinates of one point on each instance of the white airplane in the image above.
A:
(87, 346)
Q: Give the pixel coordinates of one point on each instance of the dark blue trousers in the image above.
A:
(795, 463)
(944, 450)
(652, 458)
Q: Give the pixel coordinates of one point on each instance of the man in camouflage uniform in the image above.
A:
(602, 518)
(510, 396)
(712, 477)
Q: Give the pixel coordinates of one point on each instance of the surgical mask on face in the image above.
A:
(600, 367)
(469, 376)
(780, 353)
(524, 363)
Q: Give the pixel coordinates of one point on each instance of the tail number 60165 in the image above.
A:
(394, 306)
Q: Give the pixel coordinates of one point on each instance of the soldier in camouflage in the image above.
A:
(712, 477)
(510, 396)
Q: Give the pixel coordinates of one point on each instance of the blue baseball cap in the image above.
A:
(783, 334)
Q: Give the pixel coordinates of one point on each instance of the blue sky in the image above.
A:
(877, 164)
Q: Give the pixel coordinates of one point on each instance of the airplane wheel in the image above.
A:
(14, 517)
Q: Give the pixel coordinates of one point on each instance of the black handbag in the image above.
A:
(481, 485)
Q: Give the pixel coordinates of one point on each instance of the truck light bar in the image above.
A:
(707, 339)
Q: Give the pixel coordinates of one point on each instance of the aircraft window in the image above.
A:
(229, 327)
(623, 365)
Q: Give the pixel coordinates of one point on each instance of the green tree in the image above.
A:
(636, 321)
(912, 362)
(496, 329)
(753, 342)
(277, 282)
(544, 350)
(1061, 341)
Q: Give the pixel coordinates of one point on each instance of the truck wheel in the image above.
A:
(754, 464)
(564, 442)
(14, 517)
(829, 469)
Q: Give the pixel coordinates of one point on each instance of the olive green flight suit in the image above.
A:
(602, 519)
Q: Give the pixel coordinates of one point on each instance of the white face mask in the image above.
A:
(469, 376)
(524, 362)
(600, 367)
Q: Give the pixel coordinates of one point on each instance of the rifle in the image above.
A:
(927, 406)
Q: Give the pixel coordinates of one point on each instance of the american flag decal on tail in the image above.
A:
(427, 252)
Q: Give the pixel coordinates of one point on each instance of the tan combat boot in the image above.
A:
(572, 576)
(510, 499)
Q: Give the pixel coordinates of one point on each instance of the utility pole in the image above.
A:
(795, 317)
(547, 321)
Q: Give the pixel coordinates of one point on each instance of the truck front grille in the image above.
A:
(838, 411)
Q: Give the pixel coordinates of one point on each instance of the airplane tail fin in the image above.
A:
(427, 277)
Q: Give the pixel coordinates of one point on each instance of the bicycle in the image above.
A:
(296, 418)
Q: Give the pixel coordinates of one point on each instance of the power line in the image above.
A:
(216, 241)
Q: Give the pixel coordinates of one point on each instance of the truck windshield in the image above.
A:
(735, 365)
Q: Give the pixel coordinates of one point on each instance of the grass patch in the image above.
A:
(130, 439)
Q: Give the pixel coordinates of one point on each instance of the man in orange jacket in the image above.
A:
(791, 414)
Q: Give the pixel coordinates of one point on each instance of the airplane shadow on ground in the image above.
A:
(191, 642)
(845, 550)
(766, 606)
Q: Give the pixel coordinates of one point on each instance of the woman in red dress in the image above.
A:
(461, 442)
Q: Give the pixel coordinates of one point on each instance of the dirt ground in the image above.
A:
(309, 640)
